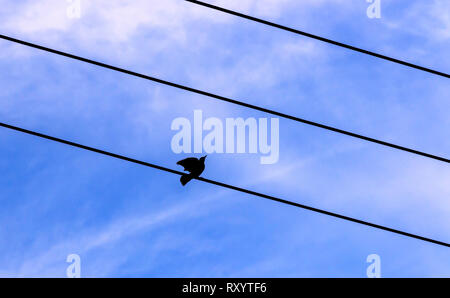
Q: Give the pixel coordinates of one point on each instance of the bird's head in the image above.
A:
(202, 159)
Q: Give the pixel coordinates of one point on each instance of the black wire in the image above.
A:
(340, 44)
(222, 98)
(222, 184)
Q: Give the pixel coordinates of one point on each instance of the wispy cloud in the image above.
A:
(209, 50)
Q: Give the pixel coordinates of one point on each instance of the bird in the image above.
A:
(195, 166)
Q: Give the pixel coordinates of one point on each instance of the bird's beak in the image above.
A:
(205, 156)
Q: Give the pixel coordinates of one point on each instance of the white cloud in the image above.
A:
(103, 20)
(120, 29)
(48, 262)
(430, 19)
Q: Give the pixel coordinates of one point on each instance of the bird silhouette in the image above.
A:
(192, 165)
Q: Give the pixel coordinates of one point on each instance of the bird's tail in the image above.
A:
(185, 179)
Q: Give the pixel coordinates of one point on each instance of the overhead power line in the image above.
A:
(336, 43)
(222, 98)
(243, 190)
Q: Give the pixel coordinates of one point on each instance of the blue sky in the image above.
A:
(125, 220)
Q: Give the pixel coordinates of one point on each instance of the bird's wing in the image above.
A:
(188, 163)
